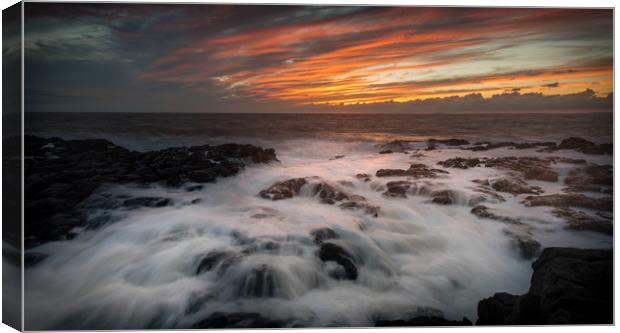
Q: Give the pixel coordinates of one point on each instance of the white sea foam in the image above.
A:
(139, 270)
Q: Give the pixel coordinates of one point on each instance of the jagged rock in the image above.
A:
(323, 234)
(568, 286)
(397, 189)
(395, 146)
(578, 220)
(363, 176)
(585, 146)
(61, 174)
(570, 200)
(236, 320)
(416, 170)
(444, 197)
(211, 260)
(514, 186)
(461, 163)
(284, 189)
(335, 253)
(326, 192)
(541, 174)
(483, 212)
(592, 178)
(527, 246)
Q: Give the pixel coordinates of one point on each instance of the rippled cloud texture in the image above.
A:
(221, 58)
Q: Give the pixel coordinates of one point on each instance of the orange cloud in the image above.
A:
(398, 54)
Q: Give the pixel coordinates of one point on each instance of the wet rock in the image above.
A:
(363, 176)
(461, 163)
(444, 197)
(397, 189)
(61, 174)
(323, 234)
(578, 220)
(568, 286)
(450, 142)
(236, 320)
(416, 170)
(395, 146)
(483, 212)
(541, 174)
(585, 146)
(326, 192)
(527, 246)
(209, 261)
(514, 186)
(570, 200)
(335, 253)
(387, 151)
(284, 189)
(592, 178)
(151, 202)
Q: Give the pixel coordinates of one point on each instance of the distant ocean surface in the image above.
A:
(155, 131)
(414, 257)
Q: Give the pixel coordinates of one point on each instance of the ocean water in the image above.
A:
(139, 272)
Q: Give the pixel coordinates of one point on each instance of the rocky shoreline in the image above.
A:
(568, 286)
(61, 174)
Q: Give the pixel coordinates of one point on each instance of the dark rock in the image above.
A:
(398, 146)
(568, 286)
(212, 259)
(335, 253)
(484, 146)
(323, 234)
(527, 246)
(483, 212)
(541, 174)
(147, 202)
(444, 197)
(578, 220)
(416, 170)
(397, 189)
(363, 176)
(326, 192)
(461, 163)
(337, 157)
(387, 151)
(61, 174)
(284, 189)
(236, 320)
(514, 186)
(570, 200)
(592, 178)
(585, 146)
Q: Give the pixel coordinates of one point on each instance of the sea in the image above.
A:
(414, 258)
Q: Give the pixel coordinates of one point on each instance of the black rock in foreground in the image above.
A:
(568, 286)
(60, 174)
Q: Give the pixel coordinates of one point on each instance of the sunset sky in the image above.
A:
(219, 58)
